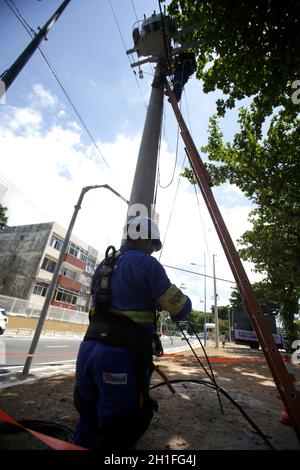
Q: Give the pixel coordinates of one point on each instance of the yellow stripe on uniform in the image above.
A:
(173, 300)
(139, 317)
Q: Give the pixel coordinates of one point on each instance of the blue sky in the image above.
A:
(47, 157)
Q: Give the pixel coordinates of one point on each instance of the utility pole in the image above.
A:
(152, 41)
(143, 187)
(204, 265)
(229, 323)
(51, 288)
(216, 305)
(11, 74)
(204, 299)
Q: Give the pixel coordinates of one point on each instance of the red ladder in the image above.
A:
(284, 380)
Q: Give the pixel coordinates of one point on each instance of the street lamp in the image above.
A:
(216, 306)
(56, 272)
(203, 265)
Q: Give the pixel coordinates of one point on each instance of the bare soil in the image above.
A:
(189, 419)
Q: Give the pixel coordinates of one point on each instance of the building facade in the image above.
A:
(28, 256)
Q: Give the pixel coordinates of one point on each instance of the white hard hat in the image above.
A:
(144, 228)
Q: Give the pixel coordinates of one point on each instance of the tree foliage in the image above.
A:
(268, 172)
(265, 294)
(3, 217)
(246, 49)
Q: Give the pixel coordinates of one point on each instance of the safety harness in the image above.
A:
(118, 330)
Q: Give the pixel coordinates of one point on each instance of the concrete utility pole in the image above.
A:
(153, 42)
(10, 74)
(143, 187)
(51, 288)
(216, 305)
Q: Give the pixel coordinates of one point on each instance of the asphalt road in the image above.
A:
(53, 350)
(13, 350)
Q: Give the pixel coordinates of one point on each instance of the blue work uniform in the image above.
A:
(106, 379)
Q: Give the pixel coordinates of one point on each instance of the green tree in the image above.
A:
(265, 294)
(246, 49)
(196, 319)
(3, 217)
(222, 311)
(268, 172)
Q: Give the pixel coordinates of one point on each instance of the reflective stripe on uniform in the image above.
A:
(139, 317)
(173, 300)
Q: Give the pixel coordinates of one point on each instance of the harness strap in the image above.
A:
(117, 331)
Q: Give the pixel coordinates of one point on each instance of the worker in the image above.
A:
(114, 363)
(184, 67)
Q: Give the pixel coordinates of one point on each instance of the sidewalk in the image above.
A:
(29, 332)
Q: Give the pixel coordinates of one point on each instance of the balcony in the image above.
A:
(57, 303)
(74, 261)
(69, 283)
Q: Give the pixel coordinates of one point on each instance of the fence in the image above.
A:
(25, 308)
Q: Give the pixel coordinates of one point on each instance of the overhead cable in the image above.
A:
(123, 41)
(31, 32)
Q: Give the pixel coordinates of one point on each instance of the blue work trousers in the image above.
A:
(106, 387)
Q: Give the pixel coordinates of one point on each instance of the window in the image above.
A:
(56, 242)
(90, 265)
(40, 288)
(73, 250)
(48, 265)
(67, 296)
(68, 273)
(77, 252)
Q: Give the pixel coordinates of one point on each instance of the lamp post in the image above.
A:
(50, 290)
(216, 306)
(203, 265)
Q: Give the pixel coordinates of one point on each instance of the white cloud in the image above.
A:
(42, 97)
(74, 125)
(25, 117)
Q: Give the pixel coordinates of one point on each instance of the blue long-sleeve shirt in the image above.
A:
(139, 285)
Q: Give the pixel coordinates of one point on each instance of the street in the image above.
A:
(13, 350)
(55, 350)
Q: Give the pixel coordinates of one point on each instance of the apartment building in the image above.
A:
(28, 256)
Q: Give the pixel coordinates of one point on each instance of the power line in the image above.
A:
(175, 164)
(123, 41)
(198, 274)
(134, 11)
(172, 209)
(30, 31)
(195, 189)
(20, 16)
(201, 221)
